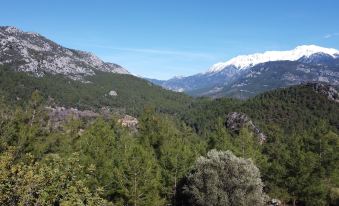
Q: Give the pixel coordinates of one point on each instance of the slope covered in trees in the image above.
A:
(301, 126)
(94, 162)
(292, 108)
(131, 94)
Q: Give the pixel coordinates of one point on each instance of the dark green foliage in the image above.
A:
(298, 161)
(133, 93)
(299, 168)
(137, 177)
(291, 108)
(300, 153)
(130, 168)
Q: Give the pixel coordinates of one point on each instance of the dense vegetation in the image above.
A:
(133, 93)
(292, 109)
(301, 125)
(99, 162)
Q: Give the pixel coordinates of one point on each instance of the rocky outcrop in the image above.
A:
(274, 202)
(129, 121)
(235, 121)
(113, 93)
(60, 115)
(324, 89)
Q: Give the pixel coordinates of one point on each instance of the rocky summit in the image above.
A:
(32, 52)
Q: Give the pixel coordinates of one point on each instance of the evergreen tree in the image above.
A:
(176, 156)
(219, 138)
(136, 176)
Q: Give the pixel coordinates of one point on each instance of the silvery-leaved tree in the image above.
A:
(222, 179)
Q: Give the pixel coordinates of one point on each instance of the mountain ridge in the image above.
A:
(247, 61)
(32, 52)
(72, 78)
(310, 64)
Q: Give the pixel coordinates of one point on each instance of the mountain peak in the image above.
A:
(31, 52)
(246, 61)
(308, 50)
(10, 29)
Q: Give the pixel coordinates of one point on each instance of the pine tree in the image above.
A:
(176, 156)
(220, 139)
(136, 176)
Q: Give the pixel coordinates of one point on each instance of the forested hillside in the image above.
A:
(292, 108)
(100, 162)
(130, 94)
(301, 125)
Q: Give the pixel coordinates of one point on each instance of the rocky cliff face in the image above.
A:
(58, 116)
(330, 92)
(31, 52)
(235, 121)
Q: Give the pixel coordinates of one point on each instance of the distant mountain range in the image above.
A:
(31, 52)
(248, 75)
(240, 77)
(71, 78)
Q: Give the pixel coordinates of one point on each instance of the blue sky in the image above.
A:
(164, 38)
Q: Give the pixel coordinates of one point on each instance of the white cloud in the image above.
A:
(327, 36)
(187, 54)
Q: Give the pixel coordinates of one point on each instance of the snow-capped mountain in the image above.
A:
(255, 73)
(31, 52)
(247, 61)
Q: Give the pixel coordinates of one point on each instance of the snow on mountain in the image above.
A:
(31, 52)
(246, 61)
(253, 74)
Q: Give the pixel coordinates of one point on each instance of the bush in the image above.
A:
(221, 178)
